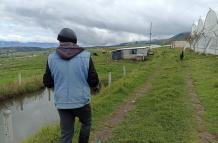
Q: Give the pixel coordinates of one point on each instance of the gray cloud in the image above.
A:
(101, 21)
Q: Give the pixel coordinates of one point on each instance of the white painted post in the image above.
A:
(8, 128)
(109, 79)
(19, 79)
(124, 70)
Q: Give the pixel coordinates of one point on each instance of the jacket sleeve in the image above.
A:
(48, 80)
(92, 79)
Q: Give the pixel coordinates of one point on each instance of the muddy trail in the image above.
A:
(203, 134)
(120, 113)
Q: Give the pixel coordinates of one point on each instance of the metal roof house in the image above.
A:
(134, 53)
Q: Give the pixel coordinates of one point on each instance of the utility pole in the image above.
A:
(150, 33)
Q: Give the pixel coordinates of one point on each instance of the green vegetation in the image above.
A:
(27, 65)
(204, 70)
(106, 102)
(164, 114)
(32, 66)
(14, 89)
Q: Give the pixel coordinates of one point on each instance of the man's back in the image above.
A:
(71, 72)
(70, 80)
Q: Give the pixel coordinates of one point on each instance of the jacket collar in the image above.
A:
(68, 50)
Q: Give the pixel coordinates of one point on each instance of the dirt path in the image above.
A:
(203, 134)
(119, 114)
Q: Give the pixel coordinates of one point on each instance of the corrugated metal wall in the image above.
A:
(127, 54)
(117, 55)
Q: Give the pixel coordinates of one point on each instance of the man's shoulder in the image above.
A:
(85, 53)
(52, 55)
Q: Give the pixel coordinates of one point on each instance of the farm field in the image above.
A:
(31, 69)
(169, 112)
(159, 100)
(107, 101)
(162, 100)
(164, 114)
(152, 75)
(31, 66)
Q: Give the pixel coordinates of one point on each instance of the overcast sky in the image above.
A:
(98, 22)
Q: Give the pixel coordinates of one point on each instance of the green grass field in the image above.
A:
(32, 68)
(105, 102)
(165, 114)
(204, 70)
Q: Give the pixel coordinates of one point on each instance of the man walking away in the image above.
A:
(71, 72)
(182, 55)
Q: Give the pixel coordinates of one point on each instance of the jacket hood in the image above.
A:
(68, 50)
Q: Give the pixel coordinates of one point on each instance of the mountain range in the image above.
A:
(178, 37)
(31, 45)
(5, 44)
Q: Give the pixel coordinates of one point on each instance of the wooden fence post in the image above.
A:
(124, 70)
(109, 79)
(19, 79)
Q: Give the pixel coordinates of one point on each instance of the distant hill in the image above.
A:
(4, 44)
(36, 46)
(181, 36)
(178, 37)
(21, 49)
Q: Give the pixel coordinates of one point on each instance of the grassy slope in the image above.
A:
(105, 103)
(164, 115)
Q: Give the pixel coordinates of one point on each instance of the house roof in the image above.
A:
(130, 48)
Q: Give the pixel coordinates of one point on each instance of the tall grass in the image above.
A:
(10, 90)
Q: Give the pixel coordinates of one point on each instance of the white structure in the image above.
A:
(205, 34)
(137, 53)
(180, 44)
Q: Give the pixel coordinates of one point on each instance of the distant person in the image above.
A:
(71, 72)
(182, 55)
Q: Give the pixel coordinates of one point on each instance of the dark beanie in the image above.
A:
(67, 35)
